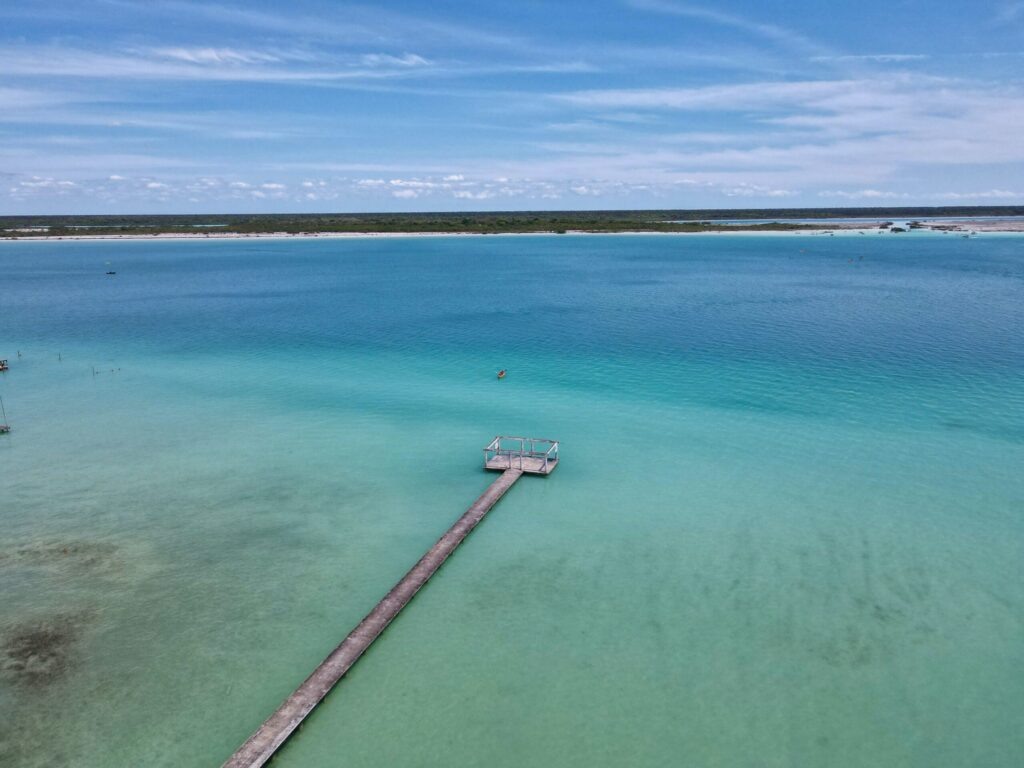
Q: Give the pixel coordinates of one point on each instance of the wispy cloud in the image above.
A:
(862, 131)
(185, 64)
(756, 190)
(884, 58)
(215, 55)
(23, 99)
(774, 33)
(435, 190)
(733, 97)
(652, 101)
(387, 60)
(863, 194)
(1009, 13)
(881, 194)
(988, 194)
(347, 23)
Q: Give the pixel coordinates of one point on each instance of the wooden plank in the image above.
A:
(262, 745)
(531, 465)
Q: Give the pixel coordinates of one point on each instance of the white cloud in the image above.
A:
(23, 99)
(858, 132)
(354, 25)
(883, 58)
(733, 97)
(1009, 13)
(877, 194)
(387, 60)
(38, 183)
(272, 185)
(756, 190)
(405, 194)
(214, 55)
(990, 194)
(782, 36)
(212, 65)
(414, 183)
(863, 194)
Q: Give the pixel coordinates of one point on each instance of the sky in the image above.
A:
(184, 106)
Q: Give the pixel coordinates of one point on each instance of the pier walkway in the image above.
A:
(261, 746)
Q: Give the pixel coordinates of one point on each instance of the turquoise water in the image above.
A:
(786, 531)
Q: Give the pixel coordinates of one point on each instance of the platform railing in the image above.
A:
(515, 449)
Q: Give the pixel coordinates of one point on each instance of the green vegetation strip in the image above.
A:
(478, 222)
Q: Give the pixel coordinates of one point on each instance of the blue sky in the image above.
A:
(184, 106)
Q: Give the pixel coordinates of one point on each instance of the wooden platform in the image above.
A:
(532, 455)
(262, 745)
(531, 465)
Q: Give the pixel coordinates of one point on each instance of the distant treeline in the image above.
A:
(483, 222)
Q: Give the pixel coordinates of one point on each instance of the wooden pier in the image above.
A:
(276, 729)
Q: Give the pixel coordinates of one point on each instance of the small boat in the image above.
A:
(501, 373)
(111, 273)
(4, 366)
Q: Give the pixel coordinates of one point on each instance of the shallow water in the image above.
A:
(786, 531)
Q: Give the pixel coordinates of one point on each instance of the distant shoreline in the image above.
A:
(233, 226)
(959, 227)
(380, 235)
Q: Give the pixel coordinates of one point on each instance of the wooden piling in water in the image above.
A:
(276, 729)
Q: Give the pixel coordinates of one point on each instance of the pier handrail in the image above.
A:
(493, 442)
(529, 454)
(547, 454)
(496, 447)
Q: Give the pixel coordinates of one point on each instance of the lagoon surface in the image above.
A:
(787, 528)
